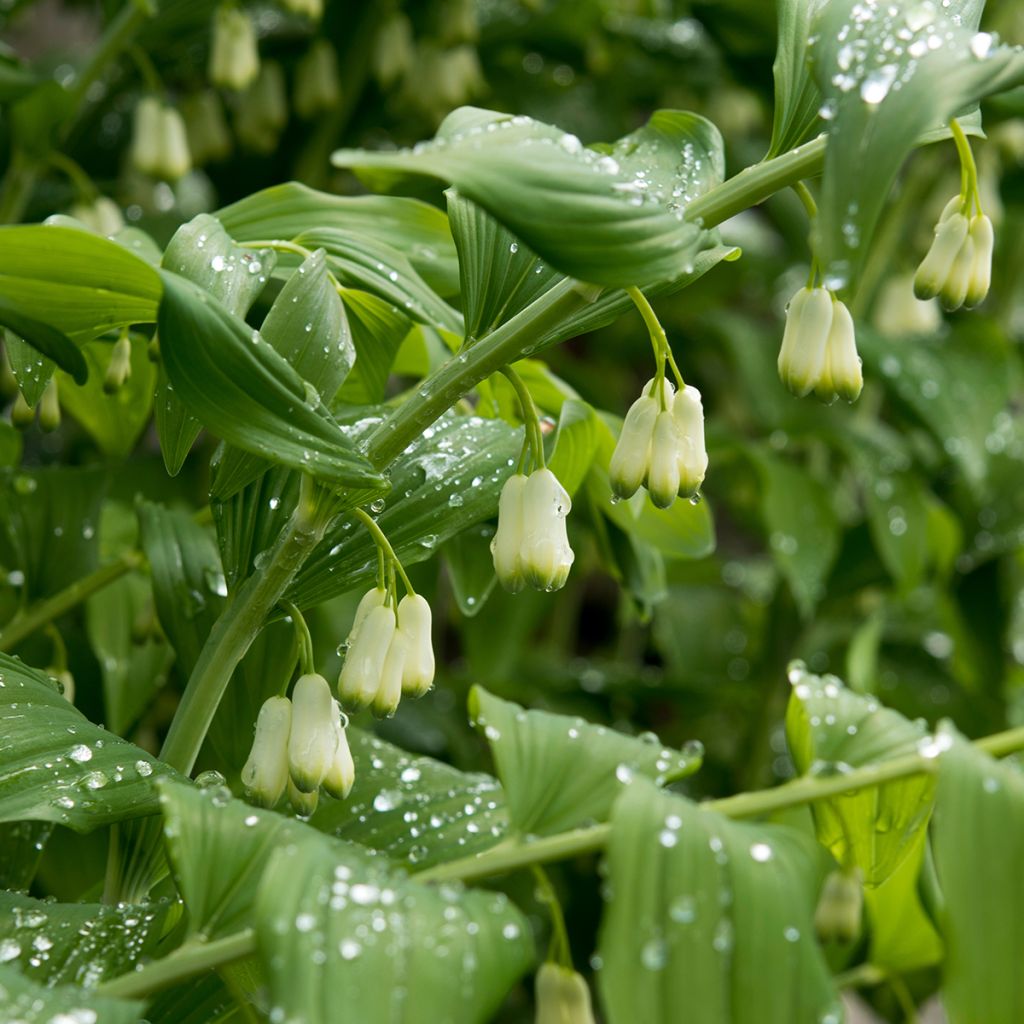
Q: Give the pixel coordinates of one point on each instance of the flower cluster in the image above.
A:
(234, 56)
(531, 546)
(159, 141)
(389, 653)
(661, 445)
(958, 266)
(300, 746)
(819, 347)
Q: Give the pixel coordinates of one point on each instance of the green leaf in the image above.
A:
(378, 329)
(44, 339)
(414, 809)
(890, 74)
(307, 326)
(55, 765)
(471, 568)
(243, 391)
(610, 214)
(683, 531)
(560, 772)
(833, 730)
(449, 478)
(801, 525)
(417, 229)
(24, 1002)
(979, 843)
(337, 928)
(76, 943)
(74, 281)
(21, 846)
(115, 422)
(574, 444)
(712, 915)
(797, 97)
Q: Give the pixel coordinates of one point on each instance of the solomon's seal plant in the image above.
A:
(330, 412)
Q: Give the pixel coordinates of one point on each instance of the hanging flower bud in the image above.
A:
(632, 455)
(262, 111)
(364, 661)
(802, 356)
(688, 412)
(175, 160)
(663, 472)
(341, 776)
(389, 690)
(562, 996)
(303, 804)
(393, 50)
(841, 374)
(102, 215)
(22, 414)
(312, 9)
(147, 132)
(899, 312)
(265, 774)
(954, 291)
(950, 234)
(980, 277)
(209, 139)
(507, 543)
(119, 369)
(837, 917)
(312, 741)
(234, 56)
(545, 555)
(414, 621)
(317, 87)
(49, 407)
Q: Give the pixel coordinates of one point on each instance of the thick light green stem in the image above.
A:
(193, 957)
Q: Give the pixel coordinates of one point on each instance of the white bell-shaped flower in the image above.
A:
(632, 455)
(837, 917)
(265, 774)
(545, 555)
(663, 471)
(364, 661)
(950, 233)
(980, 277)
(507, 543)
(954, 290)
(102, 215)
(234, 55)
(688, 412)
(562, 996)
(802, 356)
(147, 134)
(312, 740)
(841, 375)
(175, 159)
(341, 776)
(389, 688)
(414, 622)
(303, 804)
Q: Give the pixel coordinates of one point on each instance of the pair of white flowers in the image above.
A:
(389, 653)
(299, 746)
(159, 142)
(661, 445)
(234, 55)
(958, 266)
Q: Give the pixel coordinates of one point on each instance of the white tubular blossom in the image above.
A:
(507, 544)
(303, 804)
(175, 159)
(954, 291)
(312, 741)
(265, 774)
(546, 556)
(234, 56)
(802, 356)
(935, 268)
(147, 130)
(688, 412)
(414, 622)
(841, 375)
(341, 776)
(663, 474)
(980, 276)
(364, 662)
(631, 459)
(562, 996)
(389, 692)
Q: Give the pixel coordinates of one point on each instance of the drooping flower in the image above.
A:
(368, 643)
(688, 412)
(102, 215)
(819, 347)
(415, 622)
(837, 917)
(119, 369)
(958, 266)
(341, 776)
(841, 376)
(265, 774)
(562, 996)
(312, 740)
(234, 55)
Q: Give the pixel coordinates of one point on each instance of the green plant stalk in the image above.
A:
(531, 421)
(387, 552)
(24, 624)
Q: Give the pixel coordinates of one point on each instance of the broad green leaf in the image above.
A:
(200, 1000)
(683, 531)
(188, 583)
(247, 394)
(710, 915)
(202, 252)
(414, 809)
(378, 329)
(44, 339)
(797, 97)
(889, 74)
(560, 772)
(75, 943)
(115, 422)
(73, 281)
(447, 479)
(336, 927)
(49, 521)
(610, 214)
(471, 568)
(832, 730)
(23, 1001)
(21, 846)
(801, 526)
(574, 444)
(32, 370)
(360, 262)
(55, 765)
(417, 229)
(979, 843)
(307, 326)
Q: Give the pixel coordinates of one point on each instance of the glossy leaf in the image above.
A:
(243, 391)
(337, 927)
(979, 842)
(75, 943)
(44, 339)
(574, 444)
(560, 772)
(25, 1002)
(417, 229)
(712, 915)
(378, 329)
(21, 846)
(797, 97)
(831, 729)
(575, 206)
(32, 370)
(471, 568)
(55, 765)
